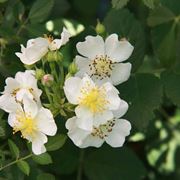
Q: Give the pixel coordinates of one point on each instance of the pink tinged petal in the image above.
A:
(30, 107)
(121, 129)
(45, 122)
(121, 73)
(92, 141)
(122, 109)
(38, 143)
(118, 51)
(91, 47)
(72, 89)
(84, 118)
(102, 118)
(83, 66)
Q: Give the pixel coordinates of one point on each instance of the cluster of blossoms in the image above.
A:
(98, 107)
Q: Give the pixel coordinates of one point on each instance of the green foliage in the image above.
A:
(56, 142)
(118, 4)
(139, 90)
(42, 159)
(45, 176)
(40, 10)
(107, 163)
(13, 148)
(24, 167)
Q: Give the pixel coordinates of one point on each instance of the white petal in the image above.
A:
(71, 123)
(83, 66)
(92, 141)
(112, 96)
(55, 44)
(38, 143)
(23, 92)
(72, 89)
(118, 51)
(12, 119)
(122, 109)
(116, 137)
(30, 106)
(30, 43)
(102, 118)
(65, 35)
(78, 135)
(121, 73)
(8, 103)
(11, 85)
(85, 118)
(91, 47)
(45, 122)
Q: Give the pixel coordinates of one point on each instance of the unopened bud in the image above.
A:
(39, 74)
(73, 68)
(100, 28)
(47, 80)
(52, 56)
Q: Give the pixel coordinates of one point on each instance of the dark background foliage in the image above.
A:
(152, 151)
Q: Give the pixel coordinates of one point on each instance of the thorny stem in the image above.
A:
(16, 161)
(80, 168)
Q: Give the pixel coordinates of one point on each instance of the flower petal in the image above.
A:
(91, 47)
(83, 66)
(38, 143)
(84, 118)
(45, 122)
(122, 109)
(102, 118)
(118, 51)
(72, 89)
(121, 73)
(117, 136)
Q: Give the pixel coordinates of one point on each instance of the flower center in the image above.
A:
(49, 38)
(94, 99)
(103, 130)
(26, 124)
(101, 67)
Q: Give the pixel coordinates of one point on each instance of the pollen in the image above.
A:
(101, 67)
(49, 37)
(26, 125)
(94, 99)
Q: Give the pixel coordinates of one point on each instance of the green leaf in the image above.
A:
(107, 163)
(56, 142)
(172, 86)
(125, 25)
(165, 44)
(13, 148)
(118, 4)
(45, 176)
(42, 159)
(149, 3)
(24, 167)
(143, 92)
(160, 15)
(40, 10)
(2, 1)
(2, 132)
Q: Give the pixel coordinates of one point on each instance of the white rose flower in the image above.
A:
(34, 123)
(38, 47)
(24, 84)
(112, 132)
(95, 103)
(103, 60)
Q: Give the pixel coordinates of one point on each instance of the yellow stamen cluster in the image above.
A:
(94, 99)
(25, 124)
